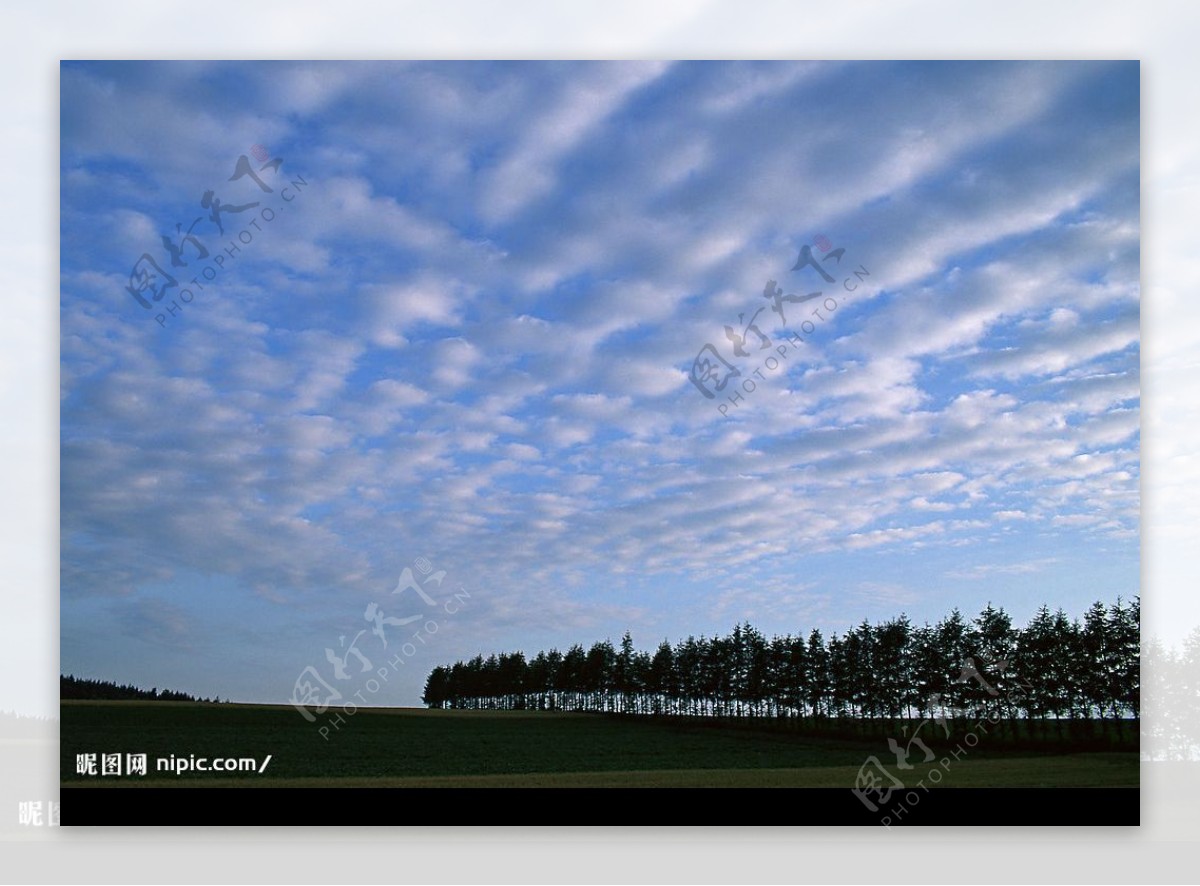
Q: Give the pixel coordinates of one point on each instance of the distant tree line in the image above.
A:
(79, 688)
(26, 728)
(1171, 725)
(1066, 669)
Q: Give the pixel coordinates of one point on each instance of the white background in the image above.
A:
(1161, 34)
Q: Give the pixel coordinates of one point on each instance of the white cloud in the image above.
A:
(471, 340)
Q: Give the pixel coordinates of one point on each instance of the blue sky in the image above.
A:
(467, 337)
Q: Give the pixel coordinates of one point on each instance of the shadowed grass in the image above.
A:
(400, 747)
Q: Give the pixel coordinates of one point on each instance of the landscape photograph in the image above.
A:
(434, 433)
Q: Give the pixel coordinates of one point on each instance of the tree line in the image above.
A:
(81, 688)
(1066, 668)
(1171, 725)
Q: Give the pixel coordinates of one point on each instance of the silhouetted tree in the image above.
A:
(71, 687)
(1064, 670)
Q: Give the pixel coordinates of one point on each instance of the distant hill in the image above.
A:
(78, 688)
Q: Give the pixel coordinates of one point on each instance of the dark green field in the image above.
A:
(420, 748)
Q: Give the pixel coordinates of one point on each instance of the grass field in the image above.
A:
(418, 748)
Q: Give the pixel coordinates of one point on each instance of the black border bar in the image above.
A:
(660, 807)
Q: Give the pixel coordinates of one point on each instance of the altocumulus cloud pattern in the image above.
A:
(469, 338)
